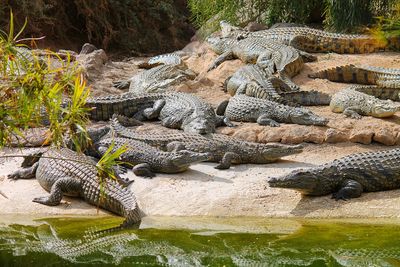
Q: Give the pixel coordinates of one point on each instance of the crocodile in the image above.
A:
(222, 149)
(266, 112)
(157, 79)
(175, 110)
(164, 59)
(147, 159)
(354, 103)
(383, 77)
(346, 177)
(273, 56)
(254, 81)
(66, 172)
(316, 41)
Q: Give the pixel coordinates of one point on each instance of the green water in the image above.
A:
(245, 242)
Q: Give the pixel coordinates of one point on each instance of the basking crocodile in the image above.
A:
(315, 41)
(65, 172)
(354, 103)
(147, 159)
(175, 110)
(221, 148)
(346, 177)
(254, 81)
(266, 112)
(270, 55)
(164, 59)
(157, 79)
(383, 77)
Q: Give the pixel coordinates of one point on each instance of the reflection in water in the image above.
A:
(71, 241)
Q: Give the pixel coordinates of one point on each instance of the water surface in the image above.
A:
(199, 242)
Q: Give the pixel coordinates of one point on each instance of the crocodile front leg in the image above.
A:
(144, 170)
(265, 120)
(25, 173)
(154, 112)
(122, 84)
(265, 62)
(61, 186)
(352, 112)
(350, 189)
(221, 58)
(227, 160)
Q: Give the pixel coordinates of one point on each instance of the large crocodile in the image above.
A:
(266, 112)
(157, 79)
(354, 103)
(255, 81)
(65, 172)
(175, 110)
(221, 148)
(147, 159)
(314, 40)
(346, 177)
(383, 77)
(270, 55)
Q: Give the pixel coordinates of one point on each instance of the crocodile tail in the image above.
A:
(346, 74)
(308, 98)
(221, 108)
(378, 92)
(225, 84)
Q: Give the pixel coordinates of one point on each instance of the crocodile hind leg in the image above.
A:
(352, 112)
(350, 189)
(25, 173)
(144, 170)
(227, 160)
(265, 61)
(265, 120)
(61, 186)
(154, 112)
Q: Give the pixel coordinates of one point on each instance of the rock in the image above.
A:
(93, 63)
(385, 136)
(226, 130)
(314, 135)
(246, 134)
(363, 136)
(294, 135)
(270, 135)
(255, 26)
(335, 136)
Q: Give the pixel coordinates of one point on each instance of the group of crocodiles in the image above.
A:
(261, 91)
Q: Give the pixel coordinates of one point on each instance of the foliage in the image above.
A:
(110, 24)
(32, 89)
(337, 15)
(106, 166)
(388, 27)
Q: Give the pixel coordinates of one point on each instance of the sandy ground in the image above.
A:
(242, 190)
(205, 191)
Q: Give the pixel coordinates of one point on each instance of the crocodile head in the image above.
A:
(182, 159)
(274, 152)
(198, 125)
(383, 109)
(314, 181)
(306, 117)
(220, 45)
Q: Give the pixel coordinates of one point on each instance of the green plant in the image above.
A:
(337, 15)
